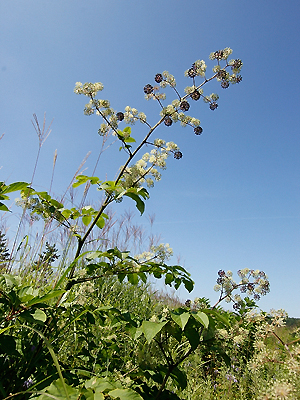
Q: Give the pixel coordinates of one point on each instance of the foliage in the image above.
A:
(92, 327)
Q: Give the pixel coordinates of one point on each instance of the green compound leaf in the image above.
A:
(151, 329)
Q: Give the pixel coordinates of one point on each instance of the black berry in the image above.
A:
(198, 130)
(195, 95)
(184, 106)
(177, 155)
(120, 116)
(224, 84)
(168, 121)
(213, 105)
(158, 78)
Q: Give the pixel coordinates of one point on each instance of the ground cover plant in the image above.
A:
(84, 323)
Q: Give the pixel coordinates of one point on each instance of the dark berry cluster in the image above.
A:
(236, 306)
(237, 79)
(188, 303)
(120, 116)
(195, 95)
(236, 64)
(222, 74)
(213, 105)
(221, 273)
(184, 105)
(198, 130)
(158, 78)
(168, 121)
(224, 84)
(177, 155)
(148, 89)
(220, 280)
(218, 54)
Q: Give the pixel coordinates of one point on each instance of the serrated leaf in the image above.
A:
(151, 329)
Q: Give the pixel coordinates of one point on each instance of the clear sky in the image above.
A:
(232, 201)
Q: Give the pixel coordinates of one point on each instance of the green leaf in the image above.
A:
(60, 391)
(99, 384)
(46, 297)
(181, 318)
(3, 207)
(140, 205)
(151, 329)
(100, 223)
(130, 140)
(179, 377)
(202, 318)
(86, 219)
(188, 284)
(193, 336)
(39, 315)
(133, 278)
(125, 394)
(13, 187)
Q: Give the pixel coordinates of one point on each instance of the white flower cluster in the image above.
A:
(211, 97)
(144, 171)
(161, 253)
(168, 80)
(88, 88)
(131, 115)
(199, 69)
(253, 283)
(155, 95)
(191, 89)
(172, 110)
(221, 54)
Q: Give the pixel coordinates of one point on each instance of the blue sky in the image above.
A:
(232, 201)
